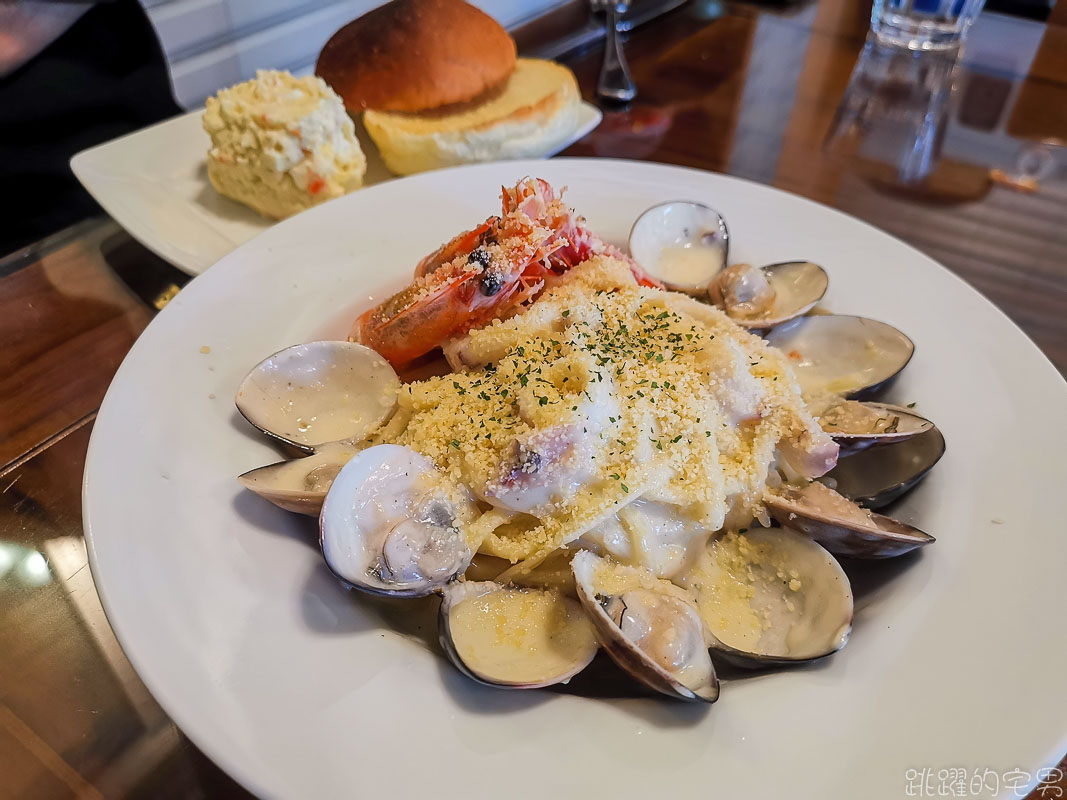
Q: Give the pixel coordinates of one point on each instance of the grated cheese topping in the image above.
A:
(605, 391)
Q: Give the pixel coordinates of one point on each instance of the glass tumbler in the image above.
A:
(892, 118)
(923, 24)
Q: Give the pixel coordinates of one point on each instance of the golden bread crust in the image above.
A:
(415, 55)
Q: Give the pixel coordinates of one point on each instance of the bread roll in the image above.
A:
(414, 55)
(535, 113)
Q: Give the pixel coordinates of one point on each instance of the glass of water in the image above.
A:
(892, 119)
(923, 24)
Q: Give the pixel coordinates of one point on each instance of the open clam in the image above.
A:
(836, 354)
(392, 524)
(875, 478)
(300, 485)
(319, 392)
(763, 297)
(514, 637)
(841, 526)
(855, 425)
(771, 596)
(649, 627)
(682, 243)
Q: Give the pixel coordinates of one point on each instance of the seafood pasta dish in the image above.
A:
(605, 394)
(606, 462)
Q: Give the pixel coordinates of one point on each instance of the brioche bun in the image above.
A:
(535, 113)
(414, 55)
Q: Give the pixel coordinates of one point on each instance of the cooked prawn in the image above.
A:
(483, 273)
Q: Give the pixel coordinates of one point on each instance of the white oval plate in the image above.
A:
(301, 689)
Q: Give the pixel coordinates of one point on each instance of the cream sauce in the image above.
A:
(690, 264)
(320, 394)
(655, 536)
(765, 594)
(521, 635)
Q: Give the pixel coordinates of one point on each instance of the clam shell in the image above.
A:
(798, 287)
(877, 537)
(319, 392)
(623, 651)
(299, 485)
(689, 231)
(809, 622)
(871, 424)
(549, 651)
(352, 544)
(876, 477)
(837, 354)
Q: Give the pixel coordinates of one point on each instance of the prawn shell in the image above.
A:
(460, 245)
(412, 322)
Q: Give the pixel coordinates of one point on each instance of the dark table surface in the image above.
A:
(737, 89)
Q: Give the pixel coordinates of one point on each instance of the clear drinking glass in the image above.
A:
(923, 24)
(892, 118)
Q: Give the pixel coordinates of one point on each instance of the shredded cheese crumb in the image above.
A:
(662, 397)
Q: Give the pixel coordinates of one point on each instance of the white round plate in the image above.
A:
(299, 688)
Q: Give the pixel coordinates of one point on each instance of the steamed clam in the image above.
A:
(682, 243)
(841, 526)
(319, 392)
(875, 478)
(300, 485)
(844, 355)
(649, 627)
(685, 245)
(856, 425)
(514, 637)
(772, 596)
(321, 399)
(392, 524)
(763, 297)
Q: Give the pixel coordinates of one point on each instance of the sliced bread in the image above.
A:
(534, 113)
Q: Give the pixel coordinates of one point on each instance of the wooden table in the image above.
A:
(739, 90)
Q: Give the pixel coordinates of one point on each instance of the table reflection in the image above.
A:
(895, 111)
